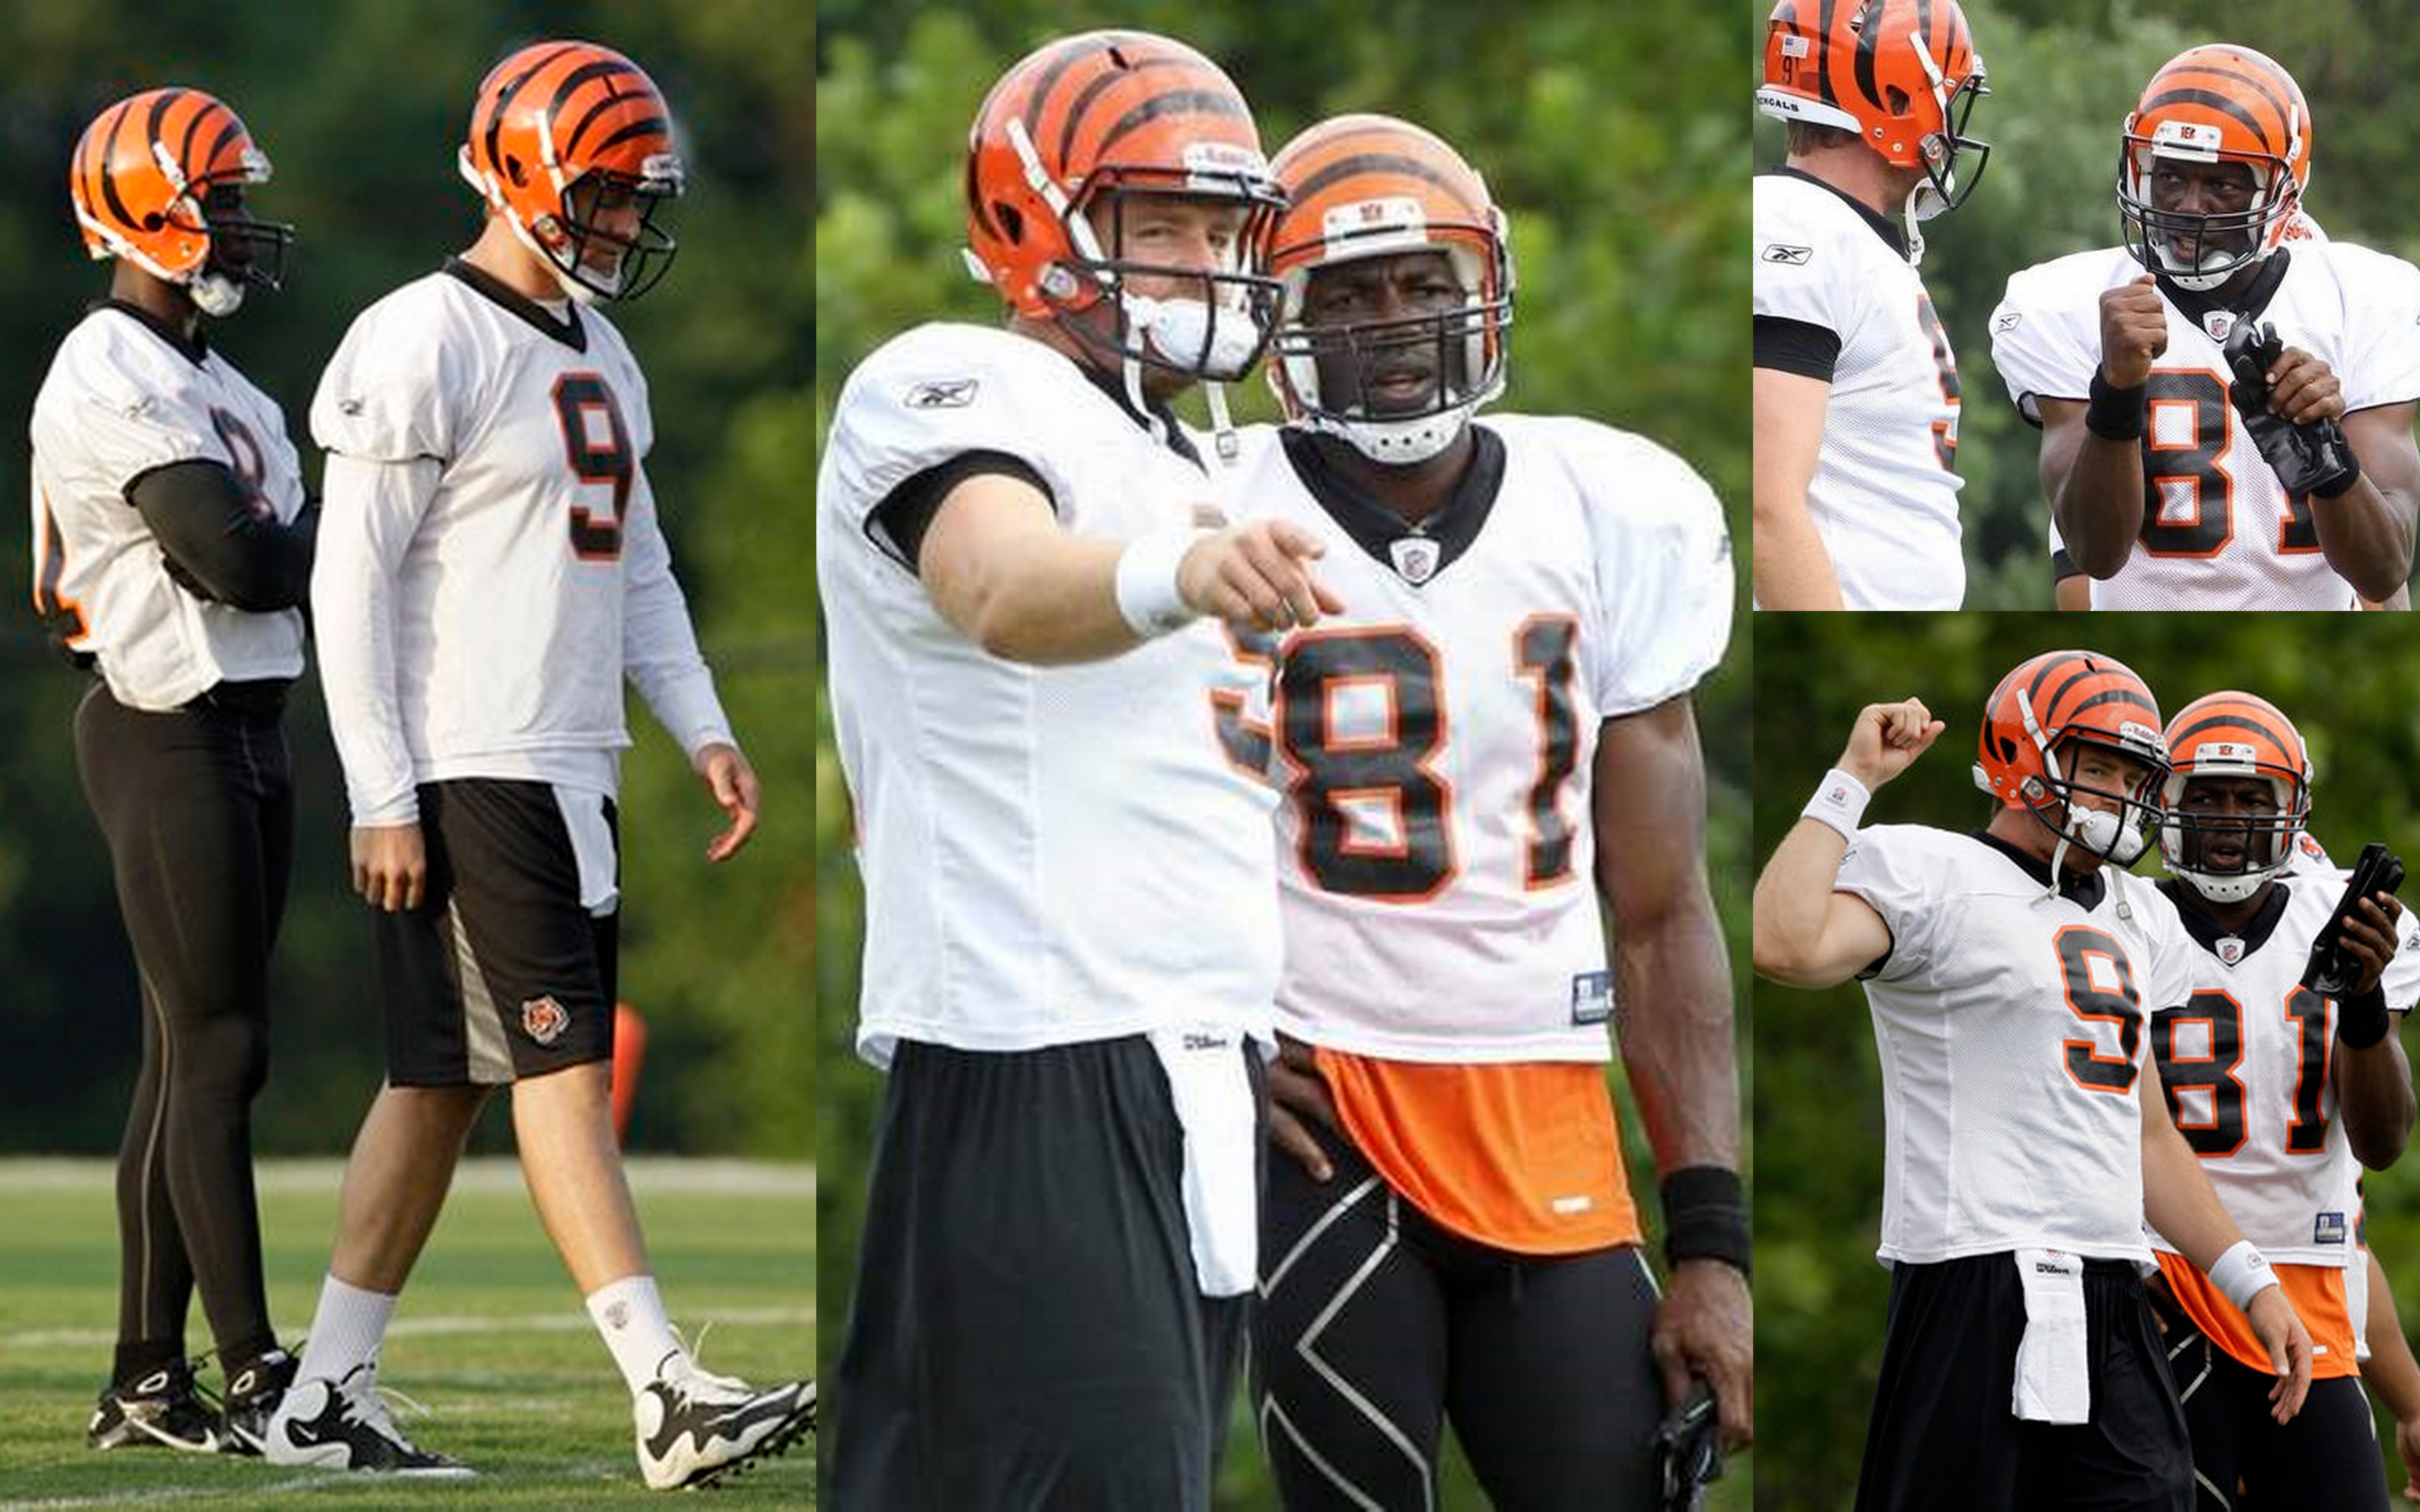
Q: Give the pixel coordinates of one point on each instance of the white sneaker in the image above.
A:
(696, 1427)
(344, 1424)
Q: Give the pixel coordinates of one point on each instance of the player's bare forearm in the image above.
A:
(999, 569)
(2374, 1098)
(2366, 533)
(2095, 488)
(1671, 972)
(1791, 568)
(1672, 981)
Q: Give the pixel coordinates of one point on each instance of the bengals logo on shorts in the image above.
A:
(544, 1020)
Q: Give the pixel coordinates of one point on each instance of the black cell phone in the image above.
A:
(2332, 969)
(1689, 1450)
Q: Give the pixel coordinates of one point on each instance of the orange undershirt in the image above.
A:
(1525, 1157)
(2317, 1291)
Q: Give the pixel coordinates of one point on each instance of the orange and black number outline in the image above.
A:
(2077, 944)
(574, 395)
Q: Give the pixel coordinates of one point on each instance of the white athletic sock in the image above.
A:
(630, 1315)
(346, 1331)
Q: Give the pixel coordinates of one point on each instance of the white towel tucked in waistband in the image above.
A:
(2053, 1372)
(591, 846)
(1213, 1095)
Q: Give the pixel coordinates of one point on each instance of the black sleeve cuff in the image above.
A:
(898, 525)
(1797, 346)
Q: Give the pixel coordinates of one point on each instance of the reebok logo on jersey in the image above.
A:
(2006, 320)
(544, 1020)
(950, 393)
(1782, 252)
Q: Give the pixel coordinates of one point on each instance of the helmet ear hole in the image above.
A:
(1011, 223)
(514, 171)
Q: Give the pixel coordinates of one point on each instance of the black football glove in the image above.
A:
(2308, 460)
(1688, 1451)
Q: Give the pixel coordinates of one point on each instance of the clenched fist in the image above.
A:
(2134, 332)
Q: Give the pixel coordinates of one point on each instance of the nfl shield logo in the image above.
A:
(2218, 322)
(1414, 558)
(2230, 949)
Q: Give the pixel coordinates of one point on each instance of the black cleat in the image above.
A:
(253, 1394)
(696, 1427)
(161, 1411)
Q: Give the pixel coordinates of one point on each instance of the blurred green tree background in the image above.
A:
(361, 104)
(2354, 693)
(2064, 74)
(1615, 140)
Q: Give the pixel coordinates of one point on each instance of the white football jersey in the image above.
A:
(1885, 495)
(1051, 855)
(1434, 744)
(2219, 532)
(2011, 1028)
(481, 626)
(121, 400)
(2249, 1067)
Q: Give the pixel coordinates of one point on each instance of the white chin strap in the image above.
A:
(1399, 442)
(1924, 202)
(215, 294)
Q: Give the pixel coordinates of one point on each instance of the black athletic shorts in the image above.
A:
(500, 973)
(1027, 1334)
(2327, 1456)
(1376, 1325)
(1944, 1439)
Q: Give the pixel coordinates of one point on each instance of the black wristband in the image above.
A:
(2113, 414)
(1705, 1217)
(2342, 484)
(2361, 1019)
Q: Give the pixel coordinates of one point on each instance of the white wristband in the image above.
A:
(1148, 597)
(2242, 1274)
(1839, 803)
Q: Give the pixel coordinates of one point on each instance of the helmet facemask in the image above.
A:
(1399, 390)
(1950, 173)
(2217, 245)
(613, 214)
(2189, 836)
(245, 251)
(1214, 323)
(2120, 836)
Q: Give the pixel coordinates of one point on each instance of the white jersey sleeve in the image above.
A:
(2382, 339)
(367, 516)
(1665, 576)
(2046, 330)
(1800, 273)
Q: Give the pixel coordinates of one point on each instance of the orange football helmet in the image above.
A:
(572, 143)
(1902, 74)
(1074, 127)
(2032, 724)
(2234, 735)
(2215, 103)
(159, 178)
(1369, 186)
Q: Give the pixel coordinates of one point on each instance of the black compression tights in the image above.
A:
(197, 808)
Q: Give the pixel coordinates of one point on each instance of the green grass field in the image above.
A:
(490, 1339)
